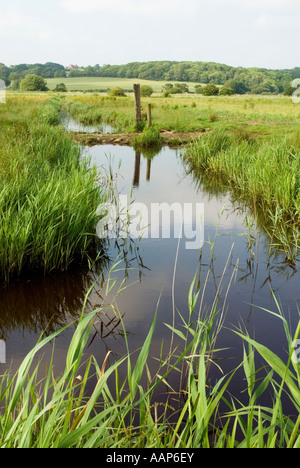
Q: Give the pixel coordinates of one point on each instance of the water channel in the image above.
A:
(159, 273)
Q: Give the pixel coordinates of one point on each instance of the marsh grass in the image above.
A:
(261, 117)
(61, 411)
(148, 138)
(48, 196)
(264, 174)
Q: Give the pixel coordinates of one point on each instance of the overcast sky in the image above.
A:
(261, 33)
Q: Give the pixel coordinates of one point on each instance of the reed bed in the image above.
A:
(48, 196)
(61, 412)
(264, 174)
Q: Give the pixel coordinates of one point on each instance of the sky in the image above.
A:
(246, 33)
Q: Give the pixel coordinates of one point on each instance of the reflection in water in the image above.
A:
(148, 154)
(71, 125)
(280, 237)
(137, 169)
(47, 303)
(41, 303)
(148, 177)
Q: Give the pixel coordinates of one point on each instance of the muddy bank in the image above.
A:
(169, 138)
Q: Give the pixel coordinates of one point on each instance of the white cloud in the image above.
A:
(10, 18)
(262, 21)
(45, 36)
(268, 3)
(139, 7)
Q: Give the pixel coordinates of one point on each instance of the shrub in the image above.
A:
(117, 92)
(289, 91)
(210, 90)
(238, 87)
(15, 85)
(33, 83)
(61, 88)
(226, 91)
(146, 91)
(198, 89)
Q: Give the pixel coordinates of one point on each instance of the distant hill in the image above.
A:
(241, 80)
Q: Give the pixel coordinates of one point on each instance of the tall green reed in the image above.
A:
(48, 198)
(122, 412)
(264, 174)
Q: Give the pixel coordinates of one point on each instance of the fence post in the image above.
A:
(138, 109)
(149, 115)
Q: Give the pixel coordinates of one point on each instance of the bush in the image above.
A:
(119, 92)
(289, 91)
(146, 91)
(149, 137)
(198, 89)
(238, 87)
(226, 91)
(210, 90)
(61, 88)
(33, 83)
(15, 85)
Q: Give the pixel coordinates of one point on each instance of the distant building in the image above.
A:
(73, 67)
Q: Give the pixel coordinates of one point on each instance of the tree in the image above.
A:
(238, 87)
(146, 91)
(15, 85)
(266, 87)
(289, 91)
(119, 92)
(198, 89)
(210, 90)
(226, 91)
(33, 83)
(61, 88)
(60, 74)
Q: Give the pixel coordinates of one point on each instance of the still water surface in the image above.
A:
(159, 278)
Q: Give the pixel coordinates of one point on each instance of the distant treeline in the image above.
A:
(18, 72)
(254, 80)
(241, 80)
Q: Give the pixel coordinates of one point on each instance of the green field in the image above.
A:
(89, 83)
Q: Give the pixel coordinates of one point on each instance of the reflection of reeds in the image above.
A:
(118, 413)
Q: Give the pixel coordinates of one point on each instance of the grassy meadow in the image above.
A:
(258, 116)
(90, 83)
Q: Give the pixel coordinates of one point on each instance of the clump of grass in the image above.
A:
(85, 113)
(50, 113)
(150, 137)
(213, 117)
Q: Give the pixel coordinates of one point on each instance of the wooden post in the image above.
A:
(138, 109)
(137, 169)
(149, 115)
(148, 176)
